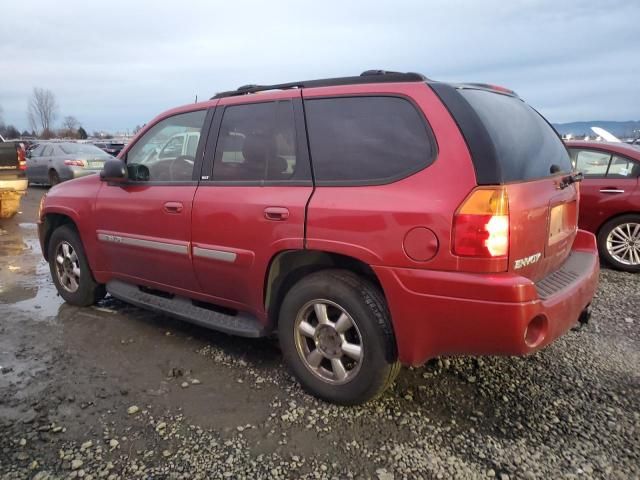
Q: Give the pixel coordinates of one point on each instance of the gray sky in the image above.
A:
(116, 64)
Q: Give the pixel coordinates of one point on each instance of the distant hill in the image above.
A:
(619, 129)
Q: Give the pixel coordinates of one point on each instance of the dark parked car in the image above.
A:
(112, 148)
(439, 219)
(610, 199)
(52, 163)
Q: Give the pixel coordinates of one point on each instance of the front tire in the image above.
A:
(619, 242)
(336, 336)
(70, 270)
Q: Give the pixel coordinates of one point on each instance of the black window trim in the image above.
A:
(388, 180)
(198, 160)
(302, 150)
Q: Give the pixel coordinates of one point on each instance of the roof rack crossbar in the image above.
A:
(369, 76)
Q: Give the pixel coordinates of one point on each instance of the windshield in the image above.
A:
(526, 145)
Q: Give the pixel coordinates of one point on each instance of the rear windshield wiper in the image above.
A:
(569, 179)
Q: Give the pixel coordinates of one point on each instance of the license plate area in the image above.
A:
(562, 222)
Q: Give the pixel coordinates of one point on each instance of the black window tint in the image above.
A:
(526, 145)
(256, 142)
(356, 140)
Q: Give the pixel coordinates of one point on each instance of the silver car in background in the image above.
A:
(52, 163)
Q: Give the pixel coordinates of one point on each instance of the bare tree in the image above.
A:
(42, 110)
(70, 123)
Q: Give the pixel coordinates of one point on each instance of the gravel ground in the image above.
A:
(116, 392)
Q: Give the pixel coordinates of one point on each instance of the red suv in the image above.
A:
(372, 221)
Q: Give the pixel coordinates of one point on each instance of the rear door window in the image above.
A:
(257, 142)
(622, 167)
(366, 140)
(526, 146)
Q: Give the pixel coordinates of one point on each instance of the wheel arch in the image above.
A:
(52, 221)
(613, 217)
(289, 266)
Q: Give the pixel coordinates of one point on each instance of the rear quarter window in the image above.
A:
(366, 140)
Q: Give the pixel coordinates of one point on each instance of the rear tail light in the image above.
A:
(481, 224)
(74, 163)
(22, 158)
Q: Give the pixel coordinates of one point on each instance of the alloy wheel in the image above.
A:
(623, 243)
(328, 341)
(67, 267)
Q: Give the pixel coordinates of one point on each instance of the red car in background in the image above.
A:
(610, 199)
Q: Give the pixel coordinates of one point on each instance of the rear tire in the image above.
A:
(619, 243)
(54, 178)
(70, 270)
(336, 337)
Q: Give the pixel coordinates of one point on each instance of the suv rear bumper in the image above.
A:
(14, 184)
(446, 313)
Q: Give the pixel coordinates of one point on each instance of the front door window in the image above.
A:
(161, 154)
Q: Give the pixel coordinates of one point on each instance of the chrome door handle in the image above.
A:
(611, 190)
(276, 214)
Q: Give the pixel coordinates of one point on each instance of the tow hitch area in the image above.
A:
(584, 318)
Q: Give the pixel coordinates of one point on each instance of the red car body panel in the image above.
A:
(448, 313)
(440, 303)
(232, 219)
(236, 219)
(597, 207)
(141, 212)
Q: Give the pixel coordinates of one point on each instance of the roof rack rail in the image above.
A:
(488, 86)
(368, 76)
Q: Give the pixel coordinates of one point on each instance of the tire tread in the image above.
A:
(375, 303)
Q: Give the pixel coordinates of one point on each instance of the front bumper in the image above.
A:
(447, 313)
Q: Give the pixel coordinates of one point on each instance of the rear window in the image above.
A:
(526, 145)
(80, 149)
(366, 140)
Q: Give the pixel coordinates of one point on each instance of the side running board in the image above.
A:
(242, 324)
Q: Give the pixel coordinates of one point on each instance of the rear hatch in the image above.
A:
(522, 152)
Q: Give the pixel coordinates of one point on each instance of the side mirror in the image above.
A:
(113, 171)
